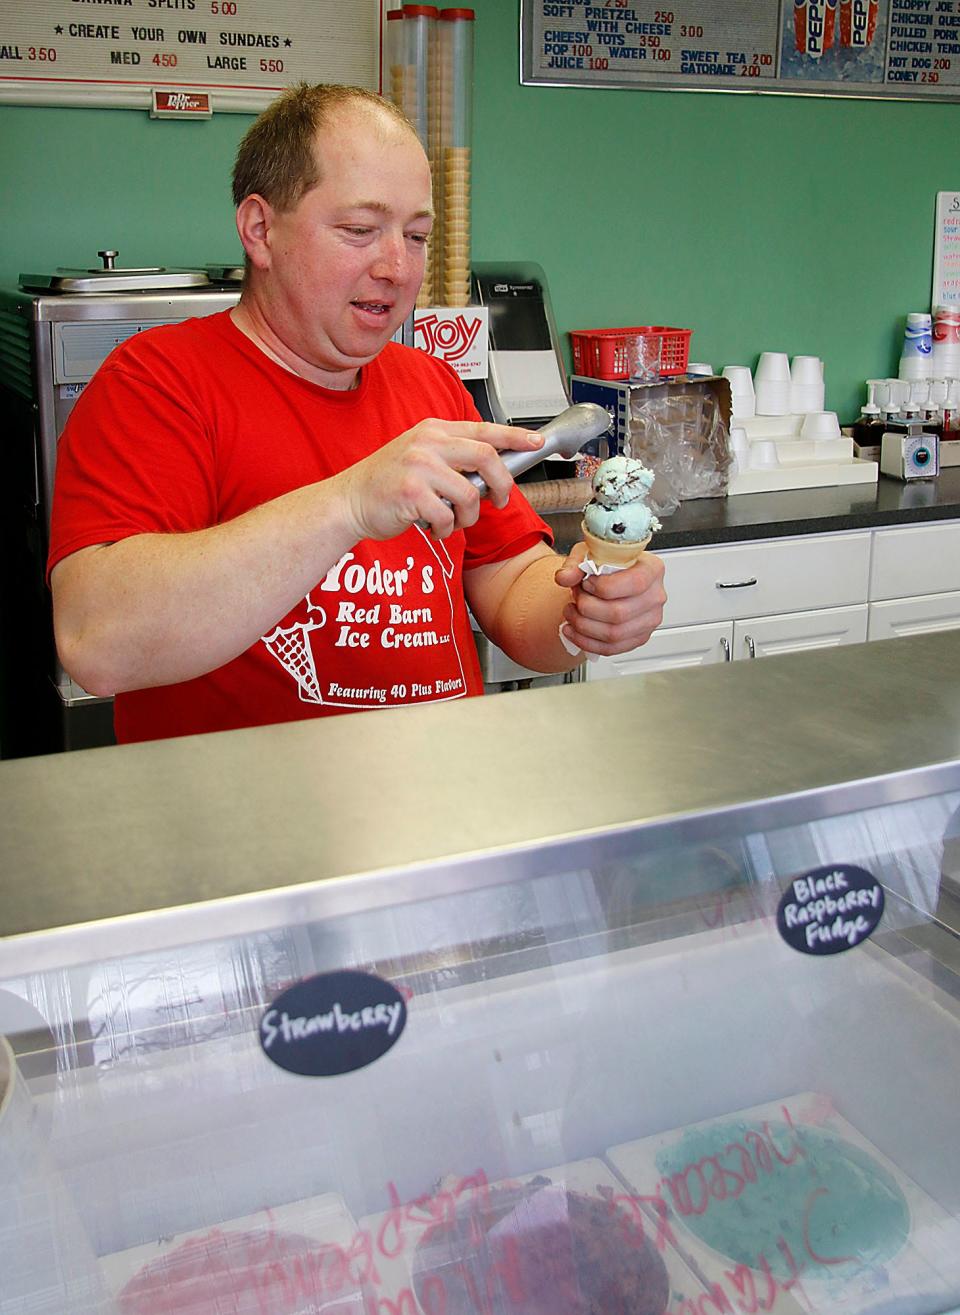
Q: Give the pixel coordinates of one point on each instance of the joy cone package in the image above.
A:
(617, 522)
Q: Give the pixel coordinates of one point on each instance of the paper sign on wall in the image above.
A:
(946, 251)
(457, 335)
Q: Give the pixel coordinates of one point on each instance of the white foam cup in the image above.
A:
(820, 424)
(915, 367)
(806, 370)
(805, 398)
(945, 360)
(773, 367)
(773, 397)
(739, 446)
(743, 403)
(740, 378)
(763, 454)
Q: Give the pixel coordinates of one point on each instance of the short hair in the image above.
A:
(276, 158)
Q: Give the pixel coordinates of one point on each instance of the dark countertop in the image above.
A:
(794, 511)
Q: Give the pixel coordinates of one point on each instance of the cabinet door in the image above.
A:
(914, 616)
(918, 559)
(673, 646)
(794, 632)
(727, 582)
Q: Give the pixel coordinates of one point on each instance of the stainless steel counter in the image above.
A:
(115, 833)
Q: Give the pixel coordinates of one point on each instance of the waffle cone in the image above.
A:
(605, 553)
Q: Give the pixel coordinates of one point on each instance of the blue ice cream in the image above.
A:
(618, 510)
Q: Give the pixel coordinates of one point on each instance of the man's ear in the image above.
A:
(254, 220)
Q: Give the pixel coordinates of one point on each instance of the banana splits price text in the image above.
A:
(184, 43)
(892, 48)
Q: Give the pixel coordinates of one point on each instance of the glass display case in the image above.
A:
(634, 997)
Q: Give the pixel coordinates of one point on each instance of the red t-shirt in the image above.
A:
(188, 426)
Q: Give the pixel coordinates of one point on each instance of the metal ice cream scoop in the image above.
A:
(563, 436)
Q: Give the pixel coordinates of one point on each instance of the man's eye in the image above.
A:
(357, 231)
(420, 238)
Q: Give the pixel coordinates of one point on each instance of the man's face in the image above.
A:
(346, 263)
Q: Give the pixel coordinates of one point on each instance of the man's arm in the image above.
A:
(522, 603)
(156, 609)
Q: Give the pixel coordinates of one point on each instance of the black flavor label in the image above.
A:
(333, 1023)
(830, 909)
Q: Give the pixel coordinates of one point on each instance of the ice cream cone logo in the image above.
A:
(291, 648)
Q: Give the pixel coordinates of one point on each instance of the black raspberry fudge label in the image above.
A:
(830, 909)
(333, 1023)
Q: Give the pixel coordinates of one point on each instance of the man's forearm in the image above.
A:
(527, 622)
(156, 609)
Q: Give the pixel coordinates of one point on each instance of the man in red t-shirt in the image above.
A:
(237, 526)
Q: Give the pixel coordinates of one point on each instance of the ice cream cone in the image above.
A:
(604, 552)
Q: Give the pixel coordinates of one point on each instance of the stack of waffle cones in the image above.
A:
(617, 555)
(456, 226)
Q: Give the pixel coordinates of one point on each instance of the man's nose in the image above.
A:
(393, 259)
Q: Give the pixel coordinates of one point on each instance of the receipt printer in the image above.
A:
(526, 384)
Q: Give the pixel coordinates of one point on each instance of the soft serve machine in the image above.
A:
(56, 329)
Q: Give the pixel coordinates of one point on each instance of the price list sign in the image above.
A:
(242, 51)
(907, 49)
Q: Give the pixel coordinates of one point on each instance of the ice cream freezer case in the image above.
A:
(638, 996)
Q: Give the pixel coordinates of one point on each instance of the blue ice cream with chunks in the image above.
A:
(618, 510)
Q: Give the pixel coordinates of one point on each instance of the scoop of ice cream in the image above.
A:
(618, 510)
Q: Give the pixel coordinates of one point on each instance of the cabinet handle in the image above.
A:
(725, 648)
(751, 646)
(736, 584)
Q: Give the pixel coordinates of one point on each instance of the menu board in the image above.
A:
(909, 49)
(116, 52)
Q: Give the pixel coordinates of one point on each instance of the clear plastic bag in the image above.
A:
(682, 437)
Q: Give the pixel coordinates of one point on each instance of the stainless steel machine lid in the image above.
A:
(225, 273)
(111, 278)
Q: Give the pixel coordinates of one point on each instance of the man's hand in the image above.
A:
(613, 613)
(408, 479)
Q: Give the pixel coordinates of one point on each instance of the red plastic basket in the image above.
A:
(606, 353)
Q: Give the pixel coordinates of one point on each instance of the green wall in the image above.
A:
(784, 223)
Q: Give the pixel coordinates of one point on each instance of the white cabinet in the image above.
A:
(757, 636)
(729, 582)
(670, 647)
(915, 560)
(737, 601)
(794, 632)
(915, 616)
(915, 580)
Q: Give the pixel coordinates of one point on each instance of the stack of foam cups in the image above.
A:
(946, 343)
(806, 385)
(419, 34)
(456, 85)
(743, 402)
(915, 358)
(772, 384)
